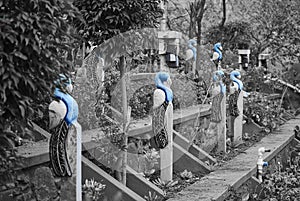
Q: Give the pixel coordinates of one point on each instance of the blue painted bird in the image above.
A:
(217, 55)
(237, 84)
(191, 53)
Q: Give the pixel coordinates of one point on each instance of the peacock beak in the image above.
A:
(69, 88)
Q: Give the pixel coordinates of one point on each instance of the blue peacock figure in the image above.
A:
(218, 94)
(191, 53)
(235, 88)
(237, 84)
(63, 112)
(162, 97)
(218, 78)
(217, 55)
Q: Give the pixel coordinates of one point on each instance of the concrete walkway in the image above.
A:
(235, 172)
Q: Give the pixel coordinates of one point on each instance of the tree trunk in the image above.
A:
(202, 73)
(224, 14)
(192, 13)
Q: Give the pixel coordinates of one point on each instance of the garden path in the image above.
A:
(216, 185)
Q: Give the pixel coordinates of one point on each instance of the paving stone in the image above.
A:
(237, 171)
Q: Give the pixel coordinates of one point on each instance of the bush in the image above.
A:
(35, 36)
(282, 184)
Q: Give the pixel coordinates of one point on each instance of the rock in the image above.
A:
(44, 184)
(3, 188)
(57, 181)
(10, 185)
(22, 178)
(25, 196)
(68, 189)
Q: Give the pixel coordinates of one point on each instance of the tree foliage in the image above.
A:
(276, 26)
(119, 28)
(34, 38)
(271, 26)
(105, 19)
(233, 35)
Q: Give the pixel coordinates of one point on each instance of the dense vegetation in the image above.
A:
(35, 37)
(280, 184)
(105, 19)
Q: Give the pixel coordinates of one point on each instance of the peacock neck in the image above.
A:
(239, 82)
(220, 53)
(222, 87)
(194, 50)
(233, 77)
(168, 92)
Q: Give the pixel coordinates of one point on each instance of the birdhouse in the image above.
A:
(169, 47)
(244, 58)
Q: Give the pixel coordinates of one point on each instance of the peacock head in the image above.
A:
(218, 76)
(64, 83)
(218, 47)
(163, 78)
(235, 74)
(192, 43)
(164, 82)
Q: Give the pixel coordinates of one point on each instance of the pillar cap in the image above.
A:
(243, 51)
(263, 56)
(169, 34)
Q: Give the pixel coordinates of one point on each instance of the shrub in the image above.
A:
(35, 36)
(283, 184)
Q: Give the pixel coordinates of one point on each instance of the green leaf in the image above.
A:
(26, 41)
(22, 28)
(50, 9)
(32, 86)
(21, 55)
(11, 39)
(5, 76)
(16, 80)
(17, 93)
(22, 110)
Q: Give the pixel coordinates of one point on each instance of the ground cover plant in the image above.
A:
(281, 184)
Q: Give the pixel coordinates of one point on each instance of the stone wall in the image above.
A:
(35, 184)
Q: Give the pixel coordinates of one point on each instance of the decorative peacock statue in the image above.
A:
(63, 112)
(191, 53)
(218, 92)
(217, 55)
